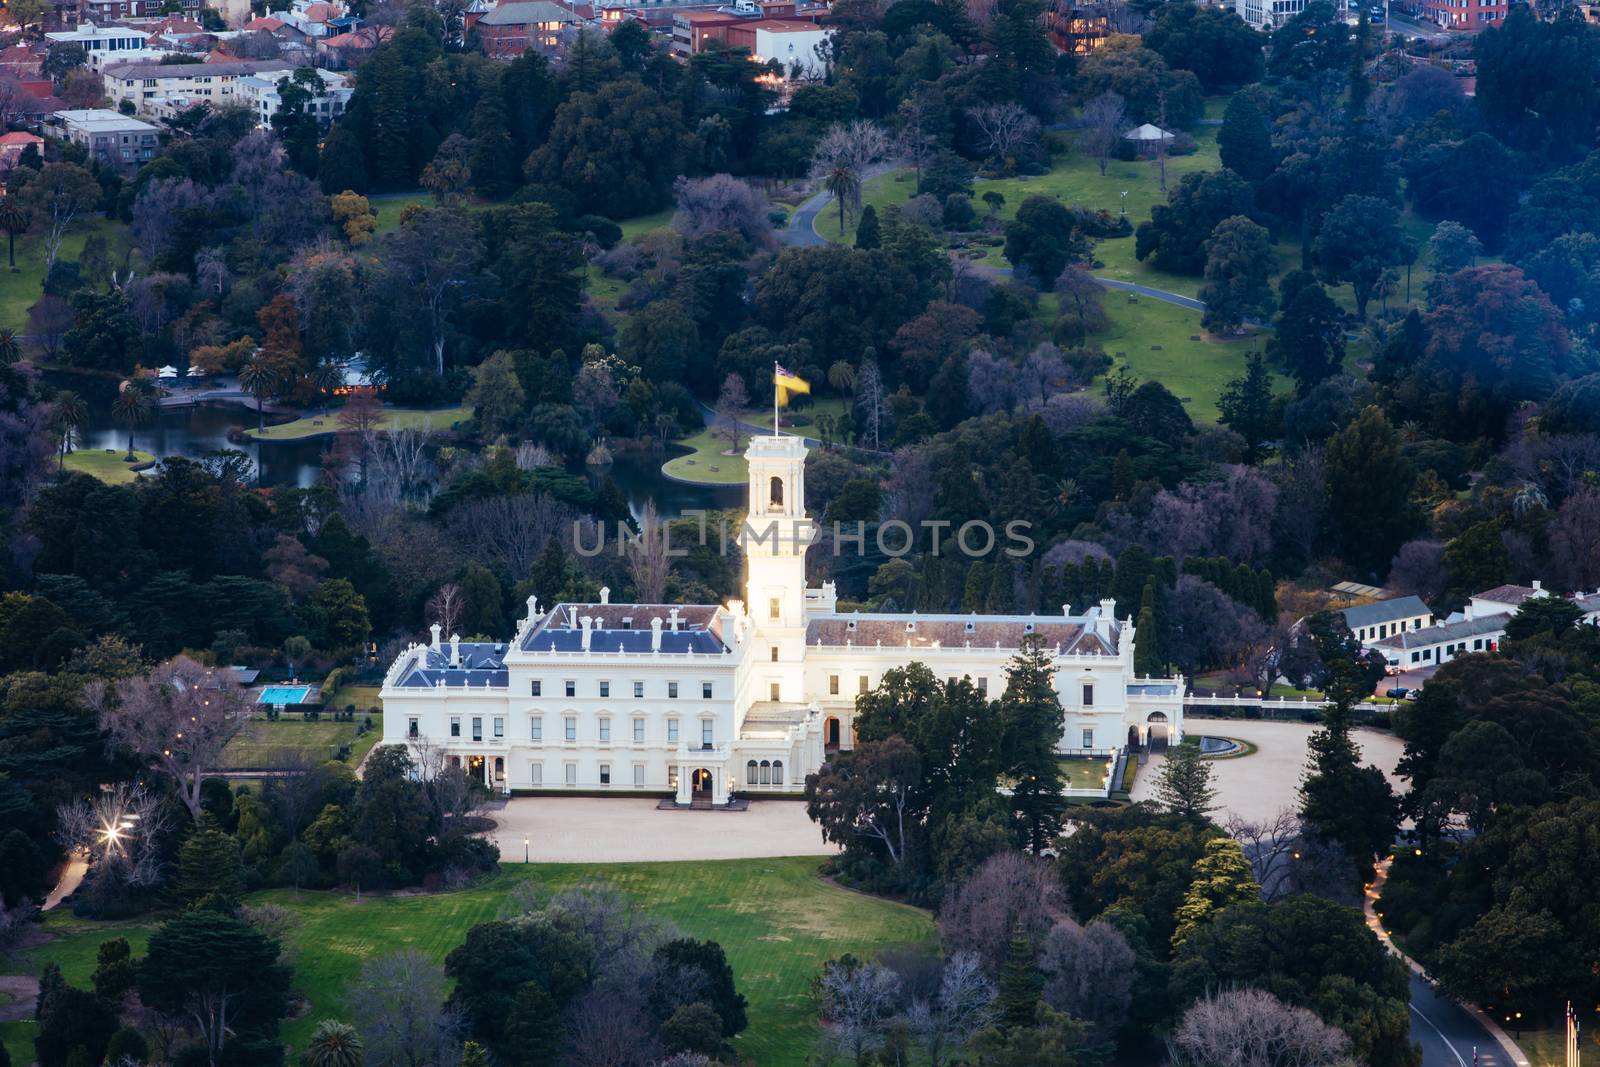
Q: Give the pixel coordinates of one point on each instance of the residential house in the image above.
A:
(347, 50)
(102, 43)
(794, 44)
(261, 95)
(111, 138)
(181, 84)
(1372, 623)
(1479, 627)
(1268, 15)
(13, 144)
(511, 29)
(1078, 29)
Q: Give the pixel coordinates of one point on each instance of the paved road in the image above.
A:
(1448, 1035)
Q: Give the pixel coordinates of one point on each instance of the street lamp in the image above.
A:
(524, 848)
(1124, 207)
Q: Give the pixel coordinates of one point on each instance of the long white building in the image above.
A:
(702, 701)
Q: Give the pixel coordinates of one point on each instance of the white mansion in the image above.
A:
(703, 700)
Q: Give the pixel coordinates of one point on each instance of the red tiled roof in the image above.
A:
(265, 22)
(323, 12)
(18, 138)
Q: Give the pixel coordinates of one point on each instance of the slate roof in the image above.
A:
(136, 71)
(1506, 594)
(527, 13)
(1404, 607)
(482, 666)
(1067, 635)
(626, 628)
(1450, 631)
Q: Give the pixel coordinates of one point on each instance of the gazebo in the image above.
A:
(1147, 136)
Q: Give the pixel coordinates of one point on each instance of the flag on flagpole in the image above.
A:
(788, 384)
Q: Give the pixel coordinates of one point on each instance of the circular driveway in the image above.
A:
(633, 830)
(1258, 786)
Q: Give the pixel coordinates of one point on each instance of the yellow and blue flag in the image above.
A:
(788, 384)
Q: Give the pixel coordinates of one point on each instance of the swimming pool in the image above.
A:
(283, 694)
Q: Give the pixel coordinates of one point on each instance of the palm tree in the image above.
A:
(842, 376)
(326, 377)
(14, 219)
(133, 408)
(334, 1044)
(257, 379)
(66, 415)
(10, 347)
(845, 185)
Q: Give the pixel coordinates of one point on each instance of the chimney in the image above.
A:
(1066, 609)
(588, 630)
(533, 606)
(1538, 586)
(572, 618)
(436, 630)
(1107, 618)
(455, 650)
(605, 594)
(675, 620)
(655, 634)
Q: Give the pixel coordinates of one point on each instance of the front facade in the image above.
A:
(1268, 15)
(260, 94)
(701, 701)
(511, 29)
(1469, 15)
(1374, 622)
(149, 87)
(111, 138)
(795, 45)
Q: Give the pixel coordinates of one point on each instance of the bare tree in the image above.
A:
(178, 718)
(402, 463)
(1104, 120)
(399, 1006)
(119, 829)
(1089, 973)
(1251, 1028)
(1004, 128)
(445, 607)
(871, 398)
(649, 561)
(857, 1003)
(731, 404)
(607, 1029)
(841, 158)
(508, 532)
(1270, 845)
(720, 203)
(963, 1005)
(1011, 888)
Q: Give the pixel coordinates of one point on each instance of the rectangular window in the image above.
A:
(638, 776)
(536, 728)
(538, 687)
(774, 651)
(672, 690)
(705, 690)
(638, 690)
(536, 773)
(605, 729)
(672, 730)
(638, 730)
(1088, 739)
(605, 774)
(833, 685)
(708, 731)
(1415, 656)
(605, 689)
(499, 726)
(572, 773)
(572, 688)
(1088, 695)
(773, 691)
(477, 728)
(862, 685)
(570, 725)
(983, 686)
(1476, 645)
(411, 727)
(774, 608)
(455, 726)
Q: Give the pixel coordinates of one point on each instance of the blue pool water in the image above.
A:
(283, 694)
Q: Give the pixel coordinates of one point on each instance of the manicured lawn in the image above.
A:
(264, 743)
(1155, 341)
(390, 206)
(20, 291)
(1548, 1048)
(319, 423)
(109, 465)
(1085, 773)
(777, 921)
(808, 415)
(705, 463)
(639, 225)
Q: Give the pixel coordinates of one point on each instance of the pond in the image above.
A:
(193, 432)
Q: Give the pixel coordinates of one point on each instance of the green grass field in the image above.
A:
(315, 425)
(1195, 371)
(290, 740)
(390, 206)
(705, 463)
(19, 291)
(1084, 773)
(109, 465)
(777, 921)
(639, 225)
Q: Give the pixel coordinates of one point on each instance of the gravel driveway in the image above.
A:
(632, 830)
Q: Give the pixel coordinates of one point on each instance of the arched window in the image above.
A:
(750, 773)
(766, 773)
(776, 495)
(777, 772)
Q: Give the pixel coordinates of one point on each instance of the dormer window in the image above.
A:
(850, 625)
(627, 622)
(911, 627)
(971, 627)
(1027, 627)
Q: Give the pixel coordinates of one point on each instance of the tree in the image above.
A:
(343, 166)
(1359, 240)
(1222, 877)
(75, 1026)
(1003, 128)
(1103, 124)
(1184, 786)
(1252, 1028)
(1344, 801)
(705, 965)
(1031, 727)
(1315, 40)
(1454, 247)
(259, 377)
(867, 230)
(1309, 342)
(220, 975)
(1465, 181)
(1246, 406)
(1214, 43)
(1174, 238)
(496, 396)
(721, 203)
(865, 795)
(58, 196)
(1010, 890)
(210, 873)
(334, 1044)
(133, 407)
(1147, 85)
(857, 1001)
(1240, 263)
(398, 1005)
(732, 401)
(962, 1005)
(1089, 973)
(178, 719)
(1535, 89)
(1043, 238)
(1245, 139)
(1080, 300)
(617, 149)
(14, 219)
(1020, 984)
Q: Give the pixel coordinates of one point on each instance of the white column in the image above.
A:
(685, 784)
(719, 785)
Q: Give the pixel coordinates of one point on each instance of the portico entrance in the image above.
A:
(703, 782)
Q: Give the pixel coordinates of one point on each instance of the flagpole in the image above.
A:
(776, 430)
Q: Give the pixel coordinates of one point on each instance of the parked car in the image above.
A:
(1397, 693)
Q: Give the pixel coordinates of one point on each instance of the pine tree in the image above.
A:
(1340, 799)
(343, 166)
(1122, 476)
(1017, 1001)
(1147, 647)
(867, 233)
(1031, 725)
(492, 162)
(1222, 876)
(1267, 596)
(1002, 597)
(210, 872)
(976, 589)
(1184, 787)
